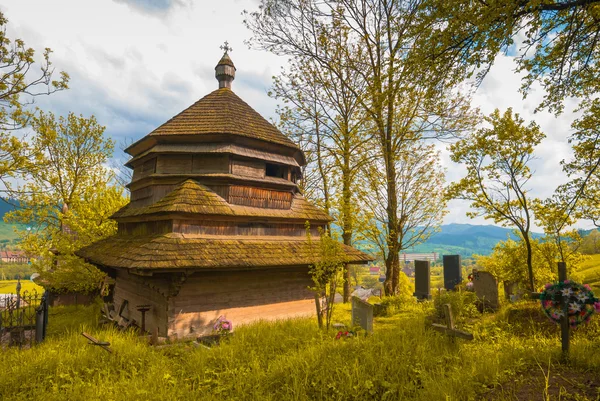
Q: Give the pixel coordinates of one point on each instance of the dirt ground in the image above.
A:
(556, 383)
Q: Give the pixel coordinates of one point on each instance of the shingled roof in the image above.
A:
(180, 251)
(222, 112)
(193, 197)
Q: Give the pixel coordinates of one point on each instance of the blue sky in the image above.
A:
(136, 63)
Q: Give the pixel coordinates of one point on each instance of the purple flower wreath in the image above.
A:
(580, 304)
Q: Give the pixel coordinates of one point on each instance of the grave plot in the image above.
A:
(485, 286)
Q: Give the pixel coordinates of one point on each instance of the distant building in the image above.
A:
(411, 257)
(14, 256)
(374, 270)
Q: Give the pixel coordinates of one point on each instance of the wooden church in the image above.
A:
(216, 223)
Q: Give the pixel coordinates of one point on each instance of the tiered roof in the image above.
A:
(174, 251)
(215, 124)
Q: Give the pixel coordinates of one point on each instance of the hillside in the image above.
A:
(466, 239)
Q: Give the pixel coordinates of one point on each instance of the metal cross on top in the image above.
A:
(225, 47)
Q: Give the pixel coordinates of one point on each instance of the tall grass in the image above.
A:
(288, 360)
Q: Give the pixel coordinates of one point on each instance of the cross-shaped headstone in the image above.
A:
(449, 327)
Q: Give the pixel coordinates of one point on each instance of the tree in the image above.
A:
(325, 271)
(497, 160)
(397, 93)
(325, 116)
(19, 86)
(66, 197)
(560, 49)
(420, 198)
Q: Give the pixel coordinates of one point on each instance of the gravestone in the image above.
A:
(422, 279)
(452, 271)
(486, 289)
(362, 314)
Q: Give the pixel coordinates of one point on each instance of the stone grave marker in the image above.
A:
(452, 271)
(362, 314)
(422, 279)
(486, 288)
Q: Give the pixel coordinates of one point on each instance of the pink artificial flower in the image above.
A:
(566, 281)
(587, 287)
(597, 307)
(548, 286)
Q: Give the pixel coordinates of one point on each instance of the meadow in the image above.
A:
(515, 356)
(590, 271)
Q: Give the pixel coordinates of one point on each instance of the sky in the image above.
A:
(136, 63)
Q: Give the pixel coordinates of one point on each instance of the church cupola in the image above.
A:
(225, 70)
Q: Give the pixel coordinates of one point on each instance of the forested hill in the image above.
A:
(466, 239)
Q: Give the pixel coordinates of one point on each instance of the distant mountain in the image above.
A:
(466, 239)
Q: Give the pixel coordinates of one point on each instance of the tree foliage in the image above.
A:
(557, 42)
(65, 196)
(19, 85)
(507, 261)
(496, 160)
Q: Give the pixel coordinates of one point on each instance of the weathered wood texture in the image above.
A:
(144, 169)
(242, 297)
(209, 227)
(210, 164)
(146, 228)
(248, 168)
(142, 291)
(174, 164)
(149, 195)
(259, 197)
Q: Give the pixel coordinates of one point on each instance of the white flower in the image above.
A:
(582, 297)
(574, 307)
(567, 292)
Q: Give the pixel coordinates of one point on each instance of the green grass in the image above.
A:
(293, 360)
(10, 286)
(590, 271)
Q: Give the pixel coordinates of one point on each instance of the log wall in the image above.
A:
(210, 164)
(138, 290)
(144, 169)
(248, 168)
(241, 297)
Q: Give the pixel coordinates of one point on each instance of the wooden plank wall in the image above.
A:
(174, 164)
(146, 227)
(210, 164)
(149, 195)
(136, 291)
(144, 169)
(242, 297)
(248, 168)
(211, 227)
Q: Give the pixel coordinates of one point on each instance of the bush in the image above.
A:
(462, 303)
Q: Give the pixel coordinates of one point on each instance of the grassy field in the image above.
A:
(590, 271)
(10, 286)
(514, 356)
